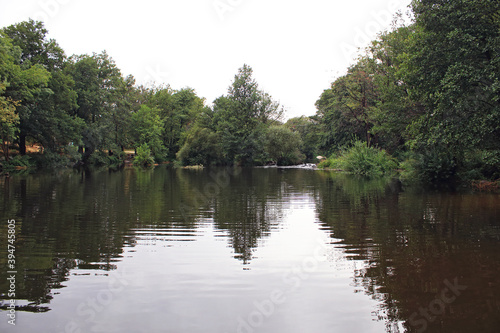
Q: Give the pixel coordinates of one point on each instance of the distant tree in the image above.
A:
(283, 146)
(178, 111)
(201, 147)
(346, 108)
(241, 118)
(146, 128)
(310, 132)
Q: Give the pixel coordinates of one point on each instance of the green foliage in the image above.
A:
(240, 119)
(309, 130)
(147, 129)
(178, 110)
(458, 82)
(481, 164)
(65, 157)
(200, 147)
(363, 160)
(143, 157)
(283, 146)
(19, 161)
(9, 122)
(434, 166)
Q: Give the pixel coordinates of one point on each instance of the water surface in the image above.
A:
(247, 250)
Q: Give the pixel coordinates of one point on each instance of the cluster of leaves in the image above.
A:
(363, 160)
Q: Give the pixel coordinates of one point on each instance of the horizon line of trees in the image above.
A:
(82, 108)
(427, 92)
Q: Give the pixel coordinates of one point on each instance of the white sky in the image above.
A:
(296, 48)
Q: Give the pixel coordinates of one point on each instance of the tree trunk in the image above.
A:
(22, 143)
(5, 148)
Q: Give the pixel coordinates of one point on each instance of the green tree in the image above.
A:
(44, 92)
(100, 88)
(394, 109)
(283, 146)
(241, 118)
(200, 147)
(310, 132)
(147, 129)
(453, 67)
(346, 108)
(9, 122)
(178, 111)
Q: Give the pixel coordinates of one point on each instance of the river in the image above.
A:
(245, 250)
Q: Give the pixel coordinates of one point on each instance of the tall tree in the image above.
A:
(242, 116)
(9, 121)
(45, 111)
(346, 108)
(178, 111)
(454, 69)
(97, 83)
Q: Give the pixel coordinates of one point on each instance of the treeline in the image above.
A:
(81, 109)
(427, 93)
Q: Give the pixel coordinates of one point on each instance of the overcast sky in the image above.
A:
(296, 48)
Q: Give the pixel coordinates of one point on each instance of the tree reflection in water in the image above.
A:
(410, 241)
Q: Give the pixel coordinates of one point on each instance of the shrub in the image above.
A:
(19, 161)
(436, 166)
(49, 159)
(143, 157)
(367, 161)
(362, 160)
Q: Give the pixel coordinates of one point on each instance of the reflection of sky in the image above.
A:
(189, 281)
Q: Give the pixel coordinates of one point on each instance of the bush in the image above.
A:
(367, 161)
(200, 148)
(143, 157)
(436, 166)
(481, 164)
(362, 160)
(49, 159)
(18, 161)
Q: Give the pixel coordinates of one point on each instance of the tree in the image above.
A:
(200, 147)
(178, 111)
(241, 118)
(99, 85)
(309, 130)
(147, 129)
(283, 146)
(453, 67)
(9, 122)
(38, 83)
(394, 109)
(346, 108)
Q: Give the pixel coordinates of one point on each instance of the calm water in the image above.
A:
(247, 250)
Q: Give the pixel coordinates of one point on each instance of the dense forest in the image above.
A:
(424, 98)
